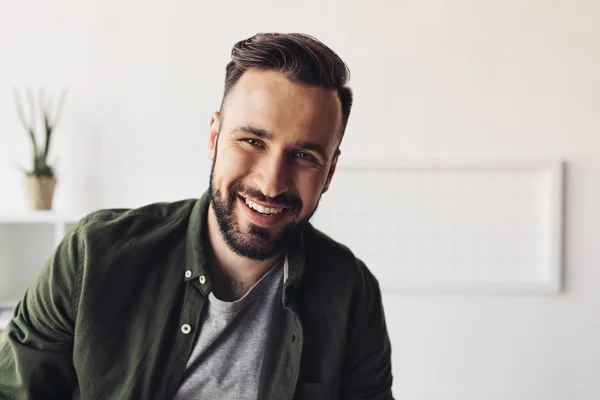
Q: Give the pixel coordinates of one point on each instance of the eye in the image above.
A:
(253, 142)
(305, 156)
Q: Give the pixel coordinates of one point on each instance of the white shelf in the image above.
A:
(5, 317)
(39, 217)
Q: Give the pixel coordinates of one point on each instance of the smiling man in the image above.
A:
(230, 296)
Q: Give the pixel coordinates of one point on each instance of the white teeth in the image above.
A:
(261, 209)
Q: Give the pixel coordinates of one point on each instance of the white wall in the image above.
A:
(431, 78)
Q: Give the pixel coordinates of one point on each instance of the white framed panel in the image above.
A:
(465, 225)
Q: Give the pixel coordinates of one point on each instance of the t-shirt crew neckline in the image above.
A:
(231, 307)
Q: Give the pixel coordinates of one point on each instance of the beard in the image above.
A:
(257, 243)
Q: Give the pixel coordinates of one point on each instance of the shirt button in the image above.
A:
(202, 279)
(188, 273)
(185, 328)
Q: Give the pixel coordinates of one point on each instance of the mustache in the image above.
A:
(283, 200)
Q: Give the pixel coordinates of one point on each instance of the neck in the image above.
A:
(231, 274)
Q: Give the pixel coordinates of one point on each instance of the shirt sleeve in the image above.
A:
(37, 352)
(367, 371)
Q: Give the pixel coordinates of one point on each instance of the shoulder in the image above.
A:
(151, 212)
(110, 224)
(330, 259)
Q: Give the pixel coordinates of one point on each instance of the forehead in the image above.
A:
(289, 111)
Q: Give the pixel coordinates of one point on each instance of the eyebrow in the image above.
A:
(263, 134)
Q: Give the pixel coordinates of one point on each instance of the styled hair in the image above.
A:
(300, 57)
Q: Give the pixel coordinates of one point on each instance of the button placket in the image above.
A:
(189, 321)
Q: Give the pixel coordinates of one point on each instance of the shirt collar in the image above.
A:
(195, 251)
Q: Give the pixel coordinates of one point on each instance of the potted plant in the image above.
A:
(41, 178)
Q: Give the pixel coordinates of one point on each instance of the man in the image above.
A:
(232, 296)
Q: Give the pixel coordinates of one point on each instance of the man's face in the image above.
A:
(274, 152)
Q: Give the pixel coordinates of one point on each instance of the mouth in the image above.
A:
(263, 214)
(263, 209)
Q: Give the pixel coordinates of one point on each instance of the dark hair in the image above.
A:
(302, 58)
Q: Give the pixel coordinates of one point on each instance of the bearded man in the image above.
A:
(231, 296)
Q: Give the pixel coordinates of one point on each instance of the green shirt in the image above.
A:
(115, 312)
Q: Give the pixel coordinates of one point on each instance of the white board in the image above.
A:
(467, 225)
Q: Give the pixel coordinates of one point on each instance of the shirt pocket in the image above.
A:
(327, 390)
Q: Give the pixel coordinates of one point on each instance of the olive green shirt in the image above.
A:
(115, 312)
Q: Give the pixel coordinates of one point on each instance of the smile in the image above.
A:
(262, 209)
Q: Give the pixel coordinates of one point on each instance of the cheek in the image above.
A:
(232, 164)
(309, 188)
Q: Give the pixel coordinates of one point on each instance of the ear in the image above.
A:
(215, 127)
(331, 170)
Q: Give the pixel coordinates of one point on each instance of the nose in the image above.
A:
(272, 176)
